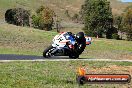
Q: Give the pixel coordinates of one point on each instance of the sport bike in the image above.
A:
(62, 46)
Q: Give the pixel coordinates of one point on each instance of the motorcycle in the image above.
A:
(61, 46)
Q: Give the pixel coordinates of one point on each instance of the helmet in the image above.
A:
(79, 35)
(70, 33)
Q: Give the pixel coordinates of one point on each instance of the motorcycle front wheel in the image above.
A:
(47, 51)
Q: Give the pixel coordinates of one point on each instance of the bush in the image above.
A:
(17, 16)
(9, 16)
(35, 21)
(115, 36)
(43, 18)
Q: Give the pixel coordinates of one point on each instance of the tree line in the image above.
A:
(96, 15)
(98, 20)
(123, 22)
(42, 19)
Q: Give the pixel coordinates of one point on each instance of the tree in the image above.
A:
(43, 18)
(118, 23)
(110, 32)
(127, 22)
(97, 17)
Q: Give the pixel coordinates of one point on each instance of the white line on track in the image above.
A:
(66, 60)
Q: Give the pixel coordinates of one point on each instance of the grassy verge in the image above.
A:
(18, 40)
(57, 74)
(109, 48)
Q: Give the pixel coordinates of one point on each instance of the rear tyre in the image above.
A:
(47, 52)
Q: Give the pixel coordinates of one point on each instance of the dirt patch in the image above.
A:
(113, 69)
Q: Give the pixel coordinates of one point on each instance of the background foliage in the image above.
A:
(43, 18)
(97, 17)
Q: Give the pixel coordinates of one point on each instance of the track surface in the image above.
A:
(13, 57)
(26, 57)
(19, 57)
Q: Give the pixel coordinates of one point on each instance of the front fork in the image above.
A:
(54, 51)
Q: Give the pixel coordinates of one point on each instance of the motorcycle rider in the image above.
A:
(81, 43)
(78, 45)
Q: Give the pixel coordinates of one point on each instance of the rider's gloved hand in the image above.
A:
(71, 46)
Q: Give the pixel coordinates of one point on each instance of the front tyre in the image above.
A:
(47, 51)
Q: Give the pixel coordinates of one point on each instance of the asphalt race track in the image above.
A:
(28, 57)
(19, 57)
(13, 57)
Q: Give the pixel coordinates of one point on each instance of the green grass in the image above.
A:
(52, 74)
(24, 40)
(29, 41)
(109, 49)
